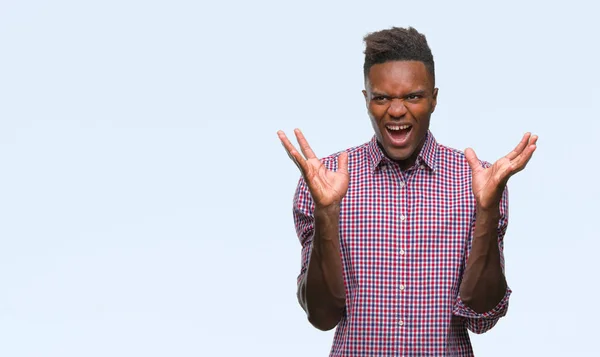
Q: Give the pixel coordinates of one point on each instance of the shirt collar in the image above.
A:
(426, 157)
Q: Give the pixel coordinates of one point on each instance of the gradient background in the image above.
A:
(145, 200)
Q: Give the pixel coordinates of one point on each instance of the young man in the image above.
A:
(402, 237)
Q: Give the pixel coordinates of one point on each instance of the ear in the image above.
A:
(366, 92)
(366, 95)
(434, 99)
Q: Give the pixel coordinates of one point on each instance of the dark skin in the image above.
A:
(321, 293)
(484, 284)
(400, 93)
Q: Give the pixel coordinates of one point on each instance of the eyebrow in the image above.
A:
(378, 94)
(418, 92)
(381, 94)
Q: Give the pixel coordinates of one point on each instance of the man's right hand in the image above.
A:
(321, 291)
(327, 187)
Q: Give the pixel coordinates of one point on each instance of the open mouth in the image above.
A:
(398, 134)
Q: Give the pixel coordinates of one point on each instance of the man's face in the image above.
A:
(400, 99)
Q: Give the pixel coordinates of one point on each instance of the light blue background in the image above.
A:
(145, 200)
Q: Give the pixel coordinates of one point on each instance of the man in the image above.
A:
(402, 237)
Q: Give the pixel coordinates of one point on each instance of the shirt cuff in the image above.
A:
(460, 309)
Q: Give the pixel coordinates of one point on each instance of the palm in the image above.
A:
(326, 187)
(488, 183)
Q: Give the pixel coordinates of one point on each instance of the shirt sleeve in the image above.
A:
(482, 322)
(303, 208)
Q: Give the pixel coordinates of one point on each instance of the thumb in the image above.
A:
(343, 163)
(472, 159)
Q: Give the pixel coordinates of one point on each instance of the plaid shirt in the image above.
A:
(405, 238)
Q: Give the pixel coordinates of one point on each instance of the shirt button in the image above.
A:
(401, 323)
(401, 251)
(402, 184)
(401, 287)
(402, 218)
(422, 167)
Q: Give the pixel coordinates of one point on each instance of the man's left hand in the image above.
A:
(489, 183)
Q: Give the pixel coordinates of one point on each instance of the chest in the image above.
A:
(394, 224)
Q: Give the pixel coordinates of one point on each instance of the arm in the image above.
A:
(321, 290)
(483, 294)
(484, 284)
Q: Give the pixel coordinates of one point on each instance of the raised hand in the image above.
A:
(489, 183)
(326, 187)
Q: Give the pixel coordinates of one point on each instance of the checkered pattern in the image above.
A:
(405, 238)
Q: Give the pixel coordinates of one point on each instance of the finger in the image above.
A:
(294, 155)
(287, 144)
(293, 159)
(299, 161)
(343, 163)
(519, 163)
(520, 147)
(522, 159)
(306, 150)
(533, 140)
(472, 159)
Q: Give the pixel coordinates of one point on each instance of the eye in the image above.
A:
(380, 99)
(413, 97)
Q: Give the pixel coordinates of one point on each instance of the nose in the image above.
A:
(397, 108)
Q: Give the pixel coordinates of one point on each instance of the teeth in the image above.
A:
(397, 127)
